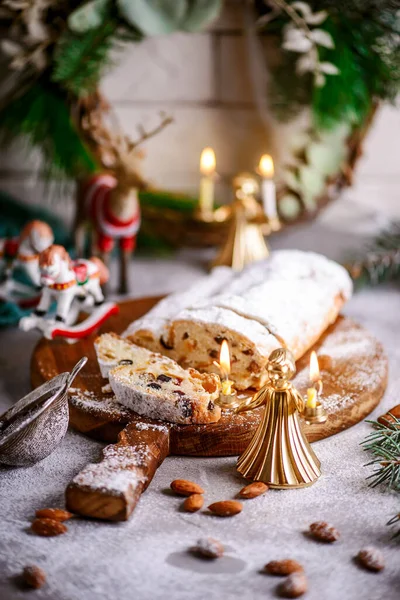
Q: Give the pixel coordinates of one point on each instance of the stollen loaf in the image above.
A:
(286, 300)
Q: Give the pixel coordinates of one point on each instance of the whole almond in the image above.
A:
(283, 567)
(208, 548)
(57, 514)
(371, 559)
(193, 503)
(253, 490)
(323, 532)
(33, 576)
(294, 586)
(183, 487)
(48, 527)
(226, 508)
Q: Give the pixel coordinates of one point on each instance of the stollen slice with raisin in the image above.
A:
(163, 390)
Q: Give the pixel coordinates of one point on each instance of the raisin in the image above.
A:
(211, 405)
(185, 335)
(155, 386)
(186, 407)
(125, 361)
(164, 344)
(163, 377)
(179, 392)
(213, 353)
(248, 352)
(219, 339)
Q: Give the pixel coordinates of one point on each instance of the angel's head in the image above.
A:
(281, 365)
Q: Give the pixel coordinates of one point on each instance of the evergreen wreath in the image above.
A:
(337, 60)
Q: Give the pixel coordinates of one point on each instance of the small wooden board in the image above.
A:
(353, 385)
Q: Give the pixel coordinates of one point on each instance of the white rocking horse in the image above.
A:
(73, 285)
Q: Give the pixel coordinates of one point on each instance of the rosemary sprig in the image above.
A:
(384, 444)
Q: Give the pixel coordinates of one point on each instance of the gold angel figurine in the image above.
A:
(279, 453)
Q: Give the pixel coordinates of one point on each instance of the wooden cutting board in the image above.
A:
(354, 382)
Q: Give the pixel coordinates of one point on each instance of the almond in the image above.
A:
(253, 490)
(193, 503)
(208, 548)
(283, 567)
(33, 576)
(323, 532)
(48, 527)
(294, 586)
(57, 514)
(183, 487)
(371, 559)
(226, 508)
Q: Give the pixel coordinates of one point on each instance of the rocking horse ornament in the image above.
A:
(72, 285)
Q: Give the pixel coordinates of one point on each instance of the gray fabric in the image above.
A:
(147, 557)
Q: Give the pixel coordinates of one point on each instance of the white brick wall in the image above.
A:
(203, 80)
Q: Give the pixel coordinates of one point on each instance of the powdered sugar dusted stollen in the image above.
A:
(152, 330)
(111, 350)
(167, 392)
(287, 300)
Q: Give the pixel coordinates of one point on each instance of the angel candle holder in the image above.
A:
(314, 412)
(245, 241)
(228, 399)
(279, 453)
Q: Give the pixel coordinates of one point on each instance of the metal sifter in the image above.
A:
(36, 424)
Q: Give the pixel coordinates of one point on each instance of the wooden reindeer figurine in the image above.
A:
(109, 200)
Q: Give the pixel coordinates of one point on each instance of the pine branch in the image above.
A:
(393, 520)
(381, 262)
(384, 444)
(42, 116)
(79, 60)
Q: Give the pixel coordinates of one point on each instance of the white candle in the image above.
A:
(268, 190)
(207, 170)
(315, 379)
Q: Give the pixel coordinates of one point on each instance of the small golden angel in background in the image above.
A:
(279, 453)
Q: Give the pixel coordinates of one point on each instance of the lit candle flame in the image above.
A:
(207, 162)
(225, 360)
(314, 368)
(266, 166)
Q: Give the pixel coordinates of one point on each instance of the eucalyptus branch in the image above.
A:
(299, 37)
(290, 11)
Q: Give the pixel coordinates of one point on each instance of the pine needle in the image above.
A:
(384, 444)
(42, 116)
(79, 60)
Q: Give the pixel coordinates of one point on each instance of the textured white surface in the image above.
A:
(147, 557)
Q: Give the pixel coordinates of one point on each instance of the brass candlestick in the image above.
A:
(245, 241)
(279, 453)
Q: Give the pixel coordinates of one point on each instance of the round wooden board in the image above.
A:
(353, 387)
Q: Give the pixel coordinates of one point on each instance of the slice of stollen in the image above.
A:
(167, 392)
(112, 350)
